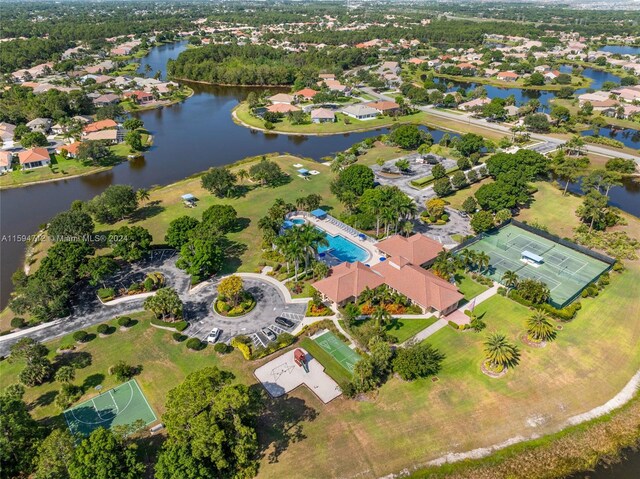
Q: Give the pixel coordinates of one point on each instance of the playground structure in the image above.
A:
(300, 359)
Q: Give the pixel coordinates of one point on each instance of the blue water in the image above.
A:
(622, 50)
(157, 58)
(298, 221)
(522, 96)
(343, 249)
(628, 136)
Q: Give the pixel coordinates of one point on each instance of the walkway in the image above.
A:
(425, 333)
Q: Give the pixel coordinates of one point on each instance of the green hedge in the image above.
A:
(565, 314)
(177, 325)
(422, 182)
(284, 340)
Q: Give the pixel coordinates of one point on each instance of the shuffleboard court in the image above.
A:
(124, 404)
(343, 354)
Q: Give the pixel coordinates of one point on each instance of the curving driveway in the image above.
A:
(273, 300)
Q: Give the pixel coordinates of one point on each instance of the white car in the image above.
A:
(214, 335)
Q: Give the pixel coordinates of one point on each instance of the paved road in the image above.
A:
(89, 311)
(550, 142)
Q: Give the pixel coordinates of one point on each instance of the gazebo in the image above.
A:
(189, 200)
(319, 213)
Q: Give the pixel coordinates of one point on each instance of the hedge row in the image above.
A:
(177, 325)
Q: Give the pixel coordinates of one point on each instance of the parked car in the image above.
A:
(287, 323)
(269, 334)
(214, 335)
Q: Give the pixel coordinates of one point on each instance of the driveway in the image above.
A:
(270, 303)
(89, 311)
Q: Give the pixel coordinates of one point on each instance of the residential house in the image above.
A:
(71, 149)
(322, 115)
(596, 96)
(110, 136)
(551, 74)
(326, 76)
(360, 111)
(139, 96)
(416, 61)
(335, 85)
(40, 124)
(6, 132)
(58, 129)
(305, 94)
(385, 107)
(474, 104)
(281, 98)
(6, 159)
(102, 67)
(282, 108)
(34, 158)
(469, 67)
(106, 99)
(99, 126)
(508, 76)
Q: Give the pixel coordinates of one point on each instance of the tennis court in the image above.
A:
(565, 271)
(119, 406)
(343, 354)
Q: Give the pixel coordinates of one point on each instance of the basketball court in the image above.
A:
(283, 375)
(565, 271)
(343, 354)
(119, 406)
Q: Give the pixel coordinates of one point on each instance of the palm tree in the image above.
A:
(407, 228)
(367, 295)
(310, 239)
(381, 316)
(510, 279)
(468, 257)
(242, 175)
(482, 260)
(500, 353)
(445, 265)
(142, 194)
(301, 204)
(539, 328)
(291, 249)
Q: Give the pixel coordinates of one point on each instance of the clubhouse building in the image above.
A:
(401, 269)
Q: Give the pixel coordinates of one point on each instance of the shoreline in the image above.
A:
(507, 85)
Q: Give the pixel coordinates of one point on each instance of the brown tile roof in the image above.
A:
(384, 105)
(282, 108)
(418, 249)
(32, 155)
(306, 93)
(323, 113)
(5, 158)
(100, 125)
(417, 284)
(72, 148)
(348, 280)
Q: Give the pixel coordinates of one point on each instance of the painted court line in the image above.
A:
(145, 400)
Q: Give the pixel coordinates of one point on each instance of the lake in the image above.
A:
(621, 49)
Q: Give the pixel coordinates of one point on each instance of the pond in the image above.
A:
(621, 49)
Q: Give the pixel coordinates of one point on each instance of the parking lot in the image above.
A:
(270, 304)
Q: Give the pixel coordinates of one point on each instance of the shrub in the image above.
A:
(103, 329)
(68, 394)
(80, 336)
(284, 340)
(148, 284)
(106, 294)
(135, 288)
(195, 344)
(18, 322)
(178, 338)
(241, 342)
(222, 348)
(125, 321)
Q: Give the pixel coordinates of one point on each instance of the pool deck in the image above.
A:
(333, 230)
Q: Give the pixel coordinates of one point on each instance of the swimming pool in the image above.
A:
(343, 249)
(298, 221)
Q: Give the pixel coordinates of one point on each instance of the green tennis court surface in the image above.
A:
(565, 271)
(119, 406)
(343, 354)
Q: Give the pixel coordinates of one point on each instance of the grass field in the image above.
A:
(339, 126)
(468, 286)
(125, 404)
(165, 205)
(332, 367)
(403, 328)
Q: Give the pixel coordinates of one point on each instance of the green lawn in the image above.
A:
(403, 328)
(576, 82)
(164, 365)
(60, 169)
(339, 126)
(331, 366)
(165, 205)
(468, 286)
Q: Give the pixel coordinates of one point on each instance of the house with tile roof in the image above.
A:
(34, 158)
